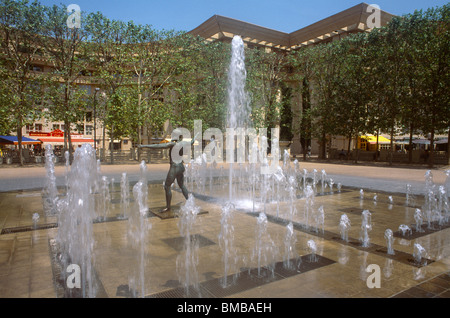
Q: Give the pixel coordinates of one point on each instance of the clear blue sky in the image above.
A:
(281, 15)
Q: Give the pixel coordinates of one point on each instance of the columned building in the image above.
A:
(358, 18)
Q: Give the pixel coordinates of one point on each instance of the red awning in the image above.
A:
(60, 140)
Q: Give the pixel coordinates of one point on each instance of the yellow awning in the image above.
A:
(373, 139)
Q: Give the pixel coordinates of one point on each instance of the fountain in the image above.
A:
(344, 227)
(419, 220)
(323, 179)
(137, 231)
(104, 199)
(187, 260)
(405, 229)
(50, 191)
(284, 184)
(75, 238)
(265, 250)
(292, 197)
(290, 258)
(226, 243)
(238, 100)
(124, 195)
(35, 219)
(389, 236)
(319, 219)
(419, 252)
(312, 247)
(391, 199)
(366, 226)
(309, 204)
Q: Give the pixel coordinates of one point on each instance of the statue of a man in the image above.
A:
(176, 170)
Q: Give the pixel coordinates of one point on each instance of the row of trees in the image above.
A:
(393, 77)
(393, 80)
(133, 65)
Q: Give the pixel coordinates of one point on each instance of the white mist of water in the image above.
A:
(366, 227)
(75, 234)
(226, 243)
(389, 236)
(50, 191)
(238, 99)
(187, 261)
(344, 227)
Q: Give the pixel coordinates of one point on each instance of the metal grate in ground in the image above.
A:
(247, 279)
(177, 243)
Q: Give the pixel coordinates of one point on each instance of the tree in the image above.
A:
(353, 87)
(433, 58)
(65, 49)
(20, 23)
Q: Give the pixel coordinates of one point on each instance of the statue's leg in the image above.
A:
(168, 188)
(180, 181)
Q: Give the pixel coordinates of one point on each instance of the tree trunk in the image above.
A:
(448, 146)
(411, 133)
(431, 156)
(139, 141)
(349, 144)
(19, 141)
(377, 145)
(104, 147)
(357, 151)
(111, 144)
(391, 150)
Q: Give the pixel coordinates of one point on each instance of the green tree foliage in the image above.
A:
(20, 91)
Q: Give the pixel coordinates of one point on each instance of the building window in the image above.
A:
(89, 129)
(55, 127)
(89, 117)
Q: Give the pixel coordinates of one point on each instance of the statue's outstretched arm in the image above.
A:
(159, 146)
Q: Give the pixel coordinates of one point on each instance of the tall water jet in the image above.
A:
(344, 227)
(323, 179)
(309, 204)
(443, 205)
(187, 261)
(264, 250)
(319, 219)
(290, 257)
(137, 233)
(75, 234)
(104, 199)
(292, 197)
(419, 220)
(280, 179)
(238, 99)
(124, 195)
(226, 243)
(389, 236)
(50, 191)
(366, 227)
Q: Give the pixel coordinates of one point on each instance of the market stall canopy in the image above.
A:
(56, 138)
(60, 140)
(421, 141)
(441, 141)
(373, 139)
(12, 140)
(427, 141)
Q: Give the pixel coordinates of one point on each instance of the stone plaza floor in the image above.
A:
(336, 269)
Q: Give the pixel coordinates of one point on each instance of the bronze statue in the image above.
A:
(176, 170)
